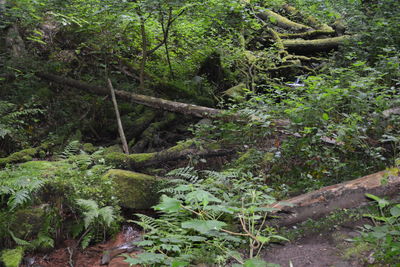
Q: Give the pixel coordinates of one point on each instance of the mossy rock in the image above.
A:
(136, 190)
(26, 223)
(12, 257)
(20, 156)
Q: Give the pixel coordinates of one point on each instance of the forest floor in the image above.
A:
(325, 248)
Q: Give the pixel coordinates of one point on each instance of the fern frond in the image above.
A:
(72, 148)
(19, 198)
(107, 214)
(188, 174)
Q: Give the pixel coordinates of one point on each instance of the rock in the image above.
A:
(136, 190)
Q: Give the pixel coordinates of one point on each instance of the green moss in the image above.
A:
(181, 146)
(89, 148)
(141, 157)
(20, 156)
(135, 190)
(358, 251)
(12, 257)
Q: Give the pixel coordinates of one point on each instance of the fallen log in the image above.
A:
(179, 152)
(311, 46)
(346, 195)
(154, 102)
(282, 21)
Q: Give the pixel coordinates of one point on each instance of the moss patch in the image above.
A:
(12, 257)
(135, 190)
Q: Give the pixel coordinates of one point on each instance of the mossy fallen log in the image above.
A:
(318, 45)
(346, 195)
(179, 152)
(307, 35)
(282, 21)
(154, 102)
(307, 19)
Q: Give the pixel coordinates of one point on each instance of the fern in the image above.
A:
(188, 174)
(72, 148)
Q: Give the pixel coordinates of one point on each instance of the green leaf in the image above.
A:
(395, 211)
(178, 263)
(203, 226)
(381, 202)
(168, 205)
(325, 116)
(255, 263)
(263, 239)
(202, 196)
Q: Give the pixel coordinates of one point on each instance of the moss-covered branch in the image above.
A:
(311, 46)
(178, 152)
(282, 21)
(306, 35)
(154, 102)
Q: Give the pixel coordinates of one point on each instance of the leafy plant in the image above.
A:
(384, 234)
(206, 221)
(95, 219)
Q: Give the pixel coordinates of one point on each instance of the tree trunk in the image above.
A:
(346, 195)
(154, 102)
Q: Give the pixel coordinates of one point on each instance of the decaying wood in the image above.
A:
(154, 102)
(311, 46)
(120, 127)
(282, 21)
(178, 152)
(346, 195)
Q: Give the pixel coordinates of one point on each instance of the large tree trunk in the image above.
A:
(346, 195)
(154, 102)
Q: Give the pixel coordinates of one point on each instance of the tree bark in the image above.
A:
(14, 43)
(346, 195)
(154, 102)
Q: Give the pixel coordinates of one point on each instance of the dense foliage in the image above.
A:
(303, 119)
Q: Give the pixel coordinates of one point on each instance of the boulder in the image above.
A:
(136, 190)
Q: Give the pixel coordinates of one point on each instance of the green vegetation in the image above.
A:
(383, 235)
(287, 97)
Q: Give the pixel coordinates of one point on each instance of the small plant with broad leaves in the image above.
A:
(215, 218)
(384, 234)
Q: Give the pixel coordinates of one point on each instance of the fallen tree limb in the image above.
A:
(306, 35)
(154, 102)
(178, 152)
(282, 21)
(346, 195)
(311, 46)
(309, 20)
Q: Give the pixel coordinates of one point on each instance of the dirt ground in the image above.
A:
(326, 249)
